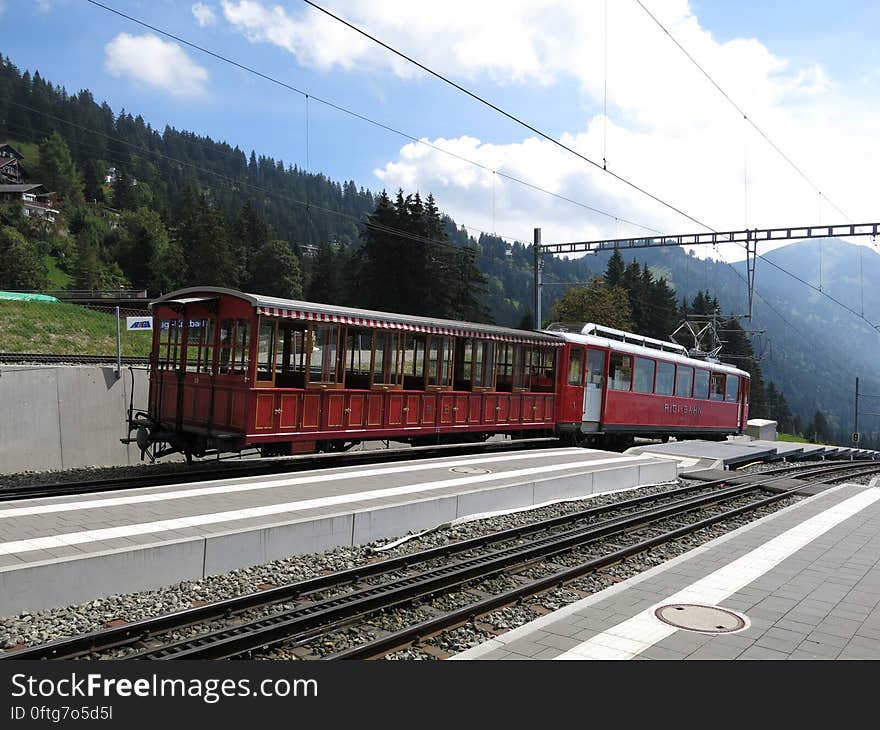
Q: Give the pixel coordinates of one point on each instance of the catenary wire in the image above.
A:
(740, 110)
(364, 118)
(510, 116)
(386, 229)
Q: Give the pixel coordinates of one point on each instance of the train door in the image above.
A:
(593, 386)
(743, 410)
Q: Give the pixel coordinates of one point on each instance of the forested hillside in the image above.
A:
(159, 209)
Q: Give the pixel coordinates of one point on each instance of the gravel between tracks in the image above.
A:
(30, 628)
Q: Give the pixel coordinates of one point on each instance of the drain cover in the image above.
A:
(470, 470)
(705, 619)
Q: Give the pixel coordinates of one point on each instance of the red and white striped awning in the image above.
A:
(405, 326)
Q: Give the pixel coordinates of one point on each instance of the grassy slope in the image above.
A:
(31, 153)
(791, 439)
(64, 329)
(58, 279)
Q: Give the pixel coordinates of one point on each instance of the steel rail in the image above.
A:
(129, 633)
(140, 630)
(54, 358)
(291, 625)
(299, 622)
(412, 634)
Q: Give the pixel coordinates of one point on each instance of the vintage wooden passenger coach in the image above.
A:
(231, 370)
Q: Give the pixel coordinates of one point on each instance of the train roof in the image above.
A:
(634, 349)
(292, 308)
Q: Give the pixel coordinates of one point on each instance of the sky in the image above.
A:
(600, 76)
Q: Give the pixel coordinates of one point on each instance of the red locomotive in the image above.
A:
(230, 370)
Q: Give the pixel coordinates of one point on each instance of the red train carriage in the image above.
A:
(231, 370)
(614, 385)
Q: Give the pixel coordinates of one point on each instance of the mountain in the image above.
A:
(814, 360)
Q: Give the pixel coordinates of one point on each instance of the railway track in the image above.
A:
(19, 358)
(303, 612)
(267, 466)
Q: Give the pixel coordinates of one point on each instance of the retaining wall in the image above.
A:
(66, 417)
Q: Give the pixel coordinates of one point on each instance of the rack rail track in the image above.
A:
(38, 358)
(319, 614)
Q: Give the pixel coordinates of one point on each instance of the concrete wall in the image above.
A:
(66, 417)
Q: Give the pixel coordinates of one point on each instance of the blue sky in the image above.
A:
(807, 72)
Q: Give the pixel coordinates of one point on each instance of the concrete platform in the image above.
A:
(698, 454)
(805, 580)
(708, 454)
(62, 550)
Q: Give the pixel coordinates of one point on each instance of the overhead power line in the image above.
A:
(510, 116)
(266, 191)
(819, 291)
(739, 109)
(362, 117)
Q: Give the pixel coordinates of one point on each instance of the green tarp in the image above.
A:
(25, 297)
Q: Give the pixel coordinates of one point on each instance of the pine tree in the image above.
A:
(616, 268)
(57, 170)
(21, 265)
(325, 279)
(275, 271)
(204, 242)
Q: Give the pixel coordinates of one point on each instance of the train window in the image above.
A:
(483, 364)
(732, 388)
(474, 364)
(701, 384)
(266, 352)
(716, 391)
(358, 350)
(543, 370)
(324, 358)
(595, 369)
(576, 366)
(643, 378)
(386, 360)
(233, 354)
(291, 355)
(504, 367)
(620, 371)
(440, 363)
(168, 352)
(206, 347)
(414, 362)
(224, 345)
(684, 381)
(665, 378)
(241, 359)
(522, 363)
(200, 346)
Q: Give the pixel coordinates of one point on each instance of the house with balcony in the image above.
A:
(37, 203)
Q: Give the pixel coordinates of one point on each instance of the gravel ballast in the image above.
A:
(27, 629)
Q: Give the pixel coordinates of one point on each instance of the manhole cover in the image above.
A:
(470, 470)
(705, 619)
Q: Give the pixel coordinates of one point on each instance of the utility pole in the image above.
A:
(118, 347)
(856, 427)
(538, 271)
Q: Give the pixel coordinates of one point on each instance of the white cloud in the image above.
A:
(204, 14)
(154, 62)
(2, 6)
(669, 130)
